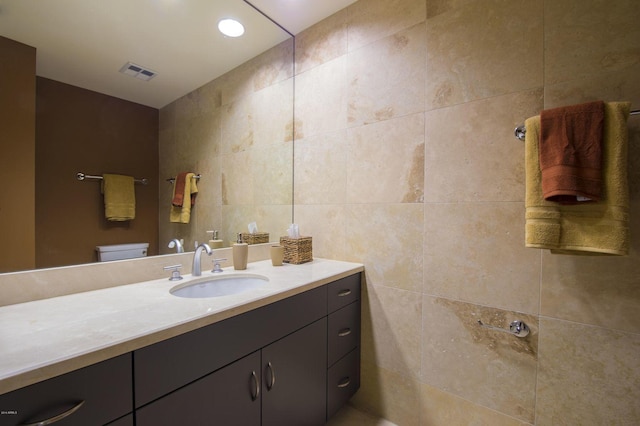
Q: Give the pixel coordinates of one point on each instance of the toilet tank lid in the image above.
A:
(119, 247)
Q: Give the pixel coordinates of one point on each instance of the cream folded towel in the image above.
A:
(182, 214)
(119, 197)
(583, 229)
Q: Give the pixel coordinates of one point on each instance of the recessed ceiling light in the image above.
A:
(231, 27)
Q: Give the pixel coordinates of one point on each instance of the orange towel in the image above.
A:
(571, 153)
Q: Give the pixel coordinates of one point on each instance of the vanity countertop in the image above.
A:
(46, 338)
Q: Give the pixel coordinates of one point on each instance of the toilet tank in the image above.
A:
(121, 251)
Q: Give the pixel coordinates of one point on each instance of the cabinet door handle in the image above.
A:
(344, 292)
(344, 332)
(273, 376)
(344, 382)
(256, 386)
(57, 418)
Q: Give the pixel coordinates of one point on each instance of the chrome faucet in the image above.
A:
(195, 269)
(176, 243)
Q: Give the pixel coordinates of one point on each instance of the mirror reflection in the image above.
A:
(232, 126)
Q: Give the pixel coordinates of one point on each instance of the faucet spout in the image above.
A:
(195, 269)
(176, 243)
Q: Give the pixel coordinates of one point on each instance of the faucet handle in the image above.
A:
(216, 265)
(175, 272)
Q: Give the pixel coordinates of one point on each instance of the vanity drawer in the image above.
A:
(344, 332)
(343, 380)
(101, 393)
(343, 292)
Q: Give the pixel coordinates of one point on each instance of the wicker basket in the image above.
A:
(297, 250)
(257, 238)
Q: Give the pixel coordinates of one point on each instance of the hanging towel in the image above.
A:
(178, 189)
(119, 197)
(598, 228)
(189, 190)
(571, 151)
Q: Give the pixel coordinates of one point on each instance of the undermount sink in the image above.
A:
(219, 286)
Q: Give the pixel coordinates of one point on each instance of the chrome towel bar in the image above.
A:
(520, 131)
(84, 176)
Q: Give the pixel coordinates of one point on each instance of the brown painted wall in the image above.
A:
(78, 130)
(17, 146)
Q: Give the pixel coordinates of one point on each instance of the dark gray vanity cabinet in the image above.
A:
(94, 395)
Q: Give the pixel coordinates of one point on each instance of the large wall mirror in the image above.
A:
(218, 106)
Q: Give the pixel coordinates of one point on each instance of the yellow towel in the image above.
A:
(182, 214)
(600, 228)
(119, 197)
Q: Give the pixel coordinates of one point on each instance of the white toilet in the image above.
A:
(121, 251)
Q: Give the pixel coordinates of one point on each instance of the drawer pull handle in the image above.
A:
(273, 376)
(59, 417)
(344, 382)
(344, 292)
(256, 386)
(344, 332)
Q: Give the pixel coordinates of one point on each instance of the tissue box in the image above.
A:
(297, 250)
(257, 238)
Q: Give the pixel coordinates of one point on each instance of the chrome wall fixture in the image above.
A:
(517, 328)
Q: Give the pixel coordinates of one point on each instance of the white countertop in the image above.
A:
(46, 338)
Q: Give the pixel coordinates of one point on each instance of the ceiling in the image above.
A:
(86, 42)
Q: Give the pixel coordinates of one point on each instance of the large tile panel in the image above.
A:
(444, 409)
(471, 152)
(321, 99)
(583, 38)
(322, 42)
(385, 161)
(480, 49)
(587, 375)
(391, 328)
(490, 368)
(321, 169)
(475, 252)
(387, 78)
(370, 20)
(387, 238)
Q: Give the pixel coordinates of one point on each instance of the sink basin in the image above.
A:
(219, 286)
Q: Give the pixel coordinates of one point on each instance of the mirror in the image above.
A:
(219, 107)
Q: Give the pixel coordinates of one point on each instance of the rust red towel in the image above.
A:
(178, 195)
(571, 152)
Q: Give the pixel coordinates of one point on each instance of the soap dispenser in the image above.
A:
(240, 254)
(215, 242)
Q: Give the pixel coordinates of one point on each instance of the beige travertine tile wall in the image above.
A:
(237, 133)
(405, 160)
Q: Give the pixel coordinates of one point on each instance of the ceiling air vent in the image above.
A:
(137, 71)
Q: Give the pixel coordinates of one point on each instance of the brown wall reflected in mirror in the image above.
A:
(78, 130)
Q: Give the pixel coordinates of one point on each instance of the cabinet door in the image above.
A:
(294, 378)
(229, 396)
